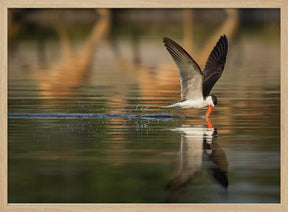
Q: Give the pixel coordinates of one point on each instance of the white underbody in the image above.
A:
(197, 104)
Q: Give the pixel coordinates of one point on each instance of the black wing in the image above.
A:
(190, 74)
(214, 66)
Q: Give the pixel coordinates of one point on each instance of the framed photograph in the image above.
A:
(143, 106)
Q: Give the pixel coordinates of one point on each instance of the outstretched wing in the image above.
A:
(214, 66)
(190, 74)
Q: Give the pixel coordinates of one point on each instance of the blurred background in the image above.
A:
(85, 90)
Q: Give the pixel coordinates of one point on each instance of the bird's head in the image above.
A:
(212, 102)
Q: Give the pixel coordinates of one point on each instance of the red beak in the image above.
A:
(209, 123)
(209, 110)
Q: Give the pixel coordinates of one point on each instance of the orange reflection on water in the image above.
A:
(73, 68)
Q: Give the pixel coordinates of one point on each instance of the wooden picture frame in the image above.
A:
(5, 4)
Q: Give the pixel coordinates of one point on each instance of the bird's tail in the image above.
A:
(169, 106)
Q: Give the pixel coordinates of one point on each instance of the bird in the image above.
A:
(196, 84)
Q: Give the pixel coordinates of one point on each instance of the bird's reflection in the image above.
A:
(199, 148)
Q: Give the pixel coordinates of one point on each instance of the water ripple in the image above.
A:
(159, 116)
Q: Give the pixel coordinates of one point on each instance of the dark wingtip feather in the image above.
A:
(165, 39)
(221, 48)
(176, 51)
(224, 38)
(169, 42)
(224, 41)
